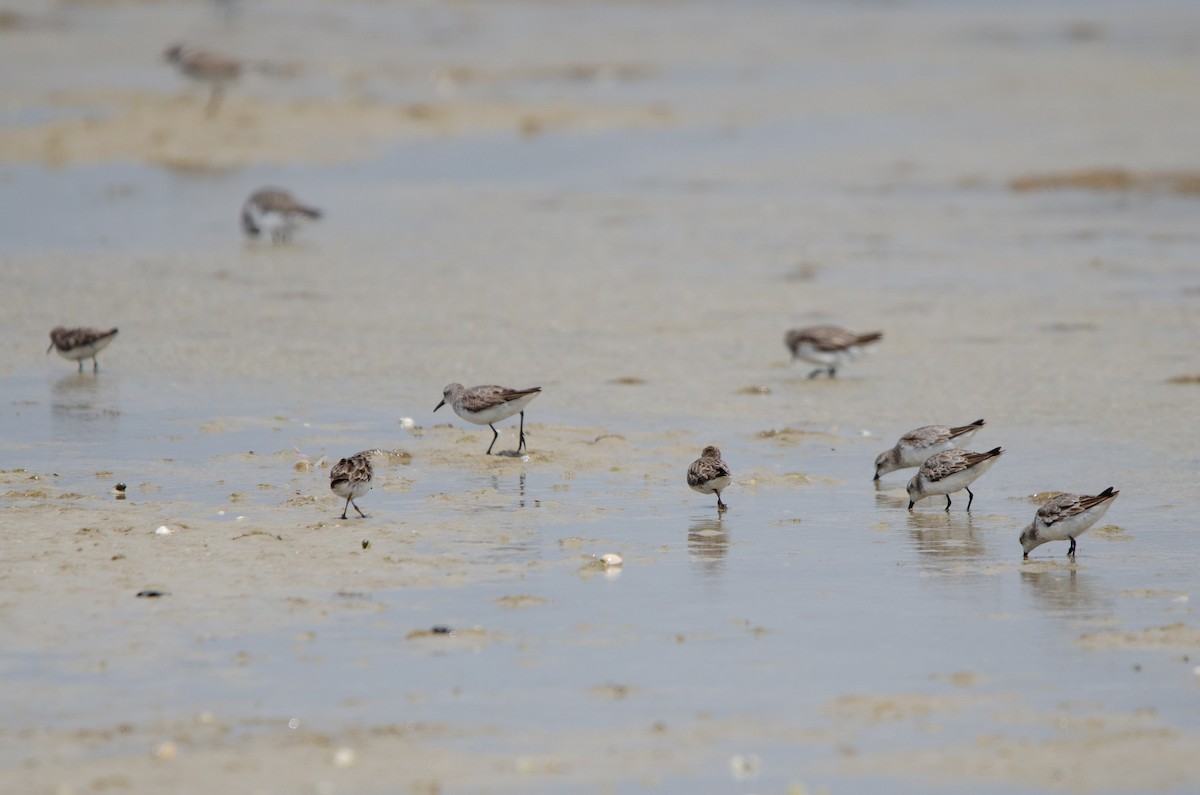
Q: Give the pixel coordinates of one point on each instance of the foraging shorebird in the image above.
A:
(78, 344)
(828, 346)
(950, 471)
(1065, 517)
(276, 212)
(915, 447)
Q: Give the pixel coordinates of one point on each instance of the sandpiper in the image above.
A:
(950, 471)
(828, 346)
(915, 447)
(352, 477)
(1065, 517)
(78, 344)
(484, 405)
(276, 212)
(218, 71)
(708, 474)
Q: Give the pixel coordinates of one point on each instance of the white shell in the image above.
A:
(163, 530)
(407, 422)
(611, 559)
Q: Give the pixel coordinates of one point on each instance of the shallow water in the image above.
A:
(817, 631)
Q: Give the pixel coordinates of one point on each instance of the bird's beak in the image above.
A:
(435, 408)
(50, 349)
(911, 504)
(876, 476)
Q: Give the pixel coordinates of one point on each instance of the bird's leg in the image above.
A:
(832, 372)
(95, 365)
(720, 505)
(1071, 551)
(214, 100)
(521, 444)
(947, 503)
(360, 513)
(346, 508)
(81, 365)
(971, 498)
(495, 436)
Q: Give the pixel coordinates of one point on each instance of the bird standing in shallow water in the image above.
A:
(276, 212)
(215, 70)
(484, 405)
(708, 474)
(828, 346)
(950, 471)
(78, 344)
(1065, 517)
(915, 447)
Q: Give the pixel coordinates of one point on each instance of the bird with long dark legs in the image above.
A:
(950, 471)
(488, 404)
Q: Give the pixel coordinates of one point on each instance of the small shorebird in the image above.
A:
(1065, 517)
(915, 447)
(950, 471)
(78, 344)
(484, 405)
(217, 71)
(352, 477)
(276, 212)
(828, 346)
(708, 474)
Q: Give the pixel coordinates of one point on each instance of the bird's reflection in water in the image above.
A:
(520, 488)
(1058, 587)
(708, 543)
(79, 405)
(945, 537)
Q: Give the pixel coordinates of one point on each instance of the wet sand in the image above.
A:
(627, 204)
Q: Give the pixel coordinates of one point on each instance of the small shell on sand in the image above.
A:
(611, 559)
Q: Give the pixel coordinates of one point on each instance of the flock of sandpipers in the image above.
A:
(944, 466)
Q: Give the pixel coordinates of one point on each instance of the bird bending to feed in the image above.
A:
(708, 474)
(1065, 517)
(828, 346)
(217, 71)
(484, 405)
(276, 212)
(950, 471)
(915, 447)
(78, 344)
(352, 477)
